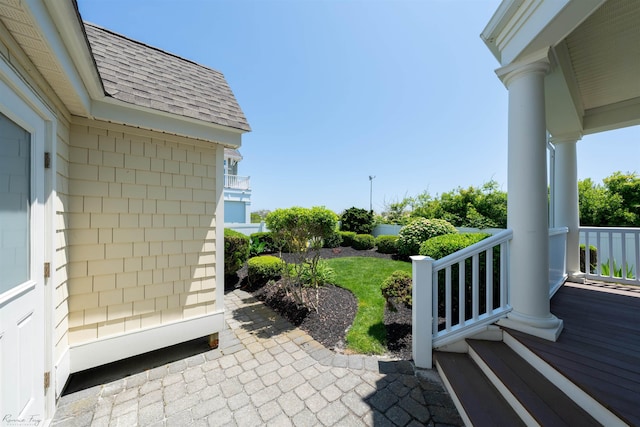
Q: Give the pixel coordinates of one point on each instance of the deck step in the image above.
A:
(478, 400)
(540, 398)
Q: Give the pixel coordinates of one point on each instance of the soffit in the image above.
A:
(605, 54)
(24, 29)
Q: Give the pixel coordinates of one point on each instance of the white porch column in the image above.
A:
(566, 201)
(527, 208)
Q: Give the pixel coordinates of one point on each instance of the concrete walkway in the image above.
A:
(265, 372)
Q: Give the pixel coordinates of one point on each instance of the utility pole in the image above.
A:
(371, 192)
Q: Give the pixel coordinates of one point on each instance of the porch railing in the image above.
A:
(461, 294)
(458, 295)
(617, 254)
(237, 182)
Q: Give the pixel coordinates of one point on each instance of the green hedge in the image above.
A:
(441, 246)
(387, 244)
(236, 251)
(261, 269)
(334, 240)
(348, 237)
(363, 242)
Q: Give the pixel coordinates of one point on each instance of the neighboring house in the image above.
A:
(237, 190)
(111, 199)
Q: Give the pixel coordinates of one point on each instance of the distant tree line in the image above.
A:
(615, 203)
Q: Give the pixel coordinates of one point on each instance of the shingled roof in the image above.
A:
(145, 76)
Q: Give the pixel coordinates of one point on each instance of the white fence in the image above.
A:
(618, 254)
(458, 295)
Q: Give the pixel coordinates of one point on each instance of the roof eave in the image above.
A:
(66, 19)
(116, 111)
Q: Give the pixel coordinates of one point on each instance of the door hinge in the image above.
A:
(47, 270)
(47, 379)
(47, 160)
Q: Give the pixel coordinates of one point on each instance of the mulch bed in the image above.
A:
(337, 308)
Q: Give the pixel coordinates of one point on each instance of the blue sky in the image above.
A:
(336, 91)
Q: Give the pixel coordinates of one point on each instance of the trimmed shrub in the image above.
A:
(441, 246)
(593, 258)
(363, 242)
(360, 221)
(348, 238)
(334, 240)
(387, 244)
(396, 289)
(419, 230)
(266, 238)
(236, 251)
(261, 269)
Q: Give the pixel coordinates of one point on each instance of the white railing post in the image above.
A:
(422, 311)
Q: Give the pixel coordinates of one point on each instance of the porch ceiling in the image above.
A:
(604, 68)
(594, 47)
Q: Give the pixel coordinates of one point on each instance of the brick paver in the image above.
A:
(265, 372)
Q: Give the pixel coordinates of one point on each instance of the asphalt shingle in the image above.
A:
(145, 76)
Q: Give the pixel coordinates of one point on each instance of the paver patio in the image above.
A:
(265, 372)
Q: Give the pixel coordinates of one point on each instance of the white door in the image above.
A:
(22, 349)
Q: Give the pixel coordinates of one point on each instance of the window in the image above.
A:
(15, 201)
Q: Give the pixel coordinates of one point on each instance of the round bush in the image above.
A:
(332, 241)
(419, 230)
(348, 238)
(261, 269)
(360, 221)
(363, 242)
(387, 244)
(236, 251)
(397, 289)
(441, 246)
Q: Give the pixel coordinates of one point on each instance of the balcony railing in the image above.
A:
(617, 254)
(237, 182)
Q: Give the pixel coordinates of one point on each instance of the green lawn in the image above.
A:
(363, 277)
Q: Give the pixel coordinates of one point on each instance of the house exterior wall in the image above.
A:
(141, 230)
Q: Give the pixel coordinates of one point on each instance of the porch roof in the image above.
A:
(594, 50)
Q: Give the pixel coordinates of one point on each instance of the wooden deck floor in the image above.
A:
(599, 348)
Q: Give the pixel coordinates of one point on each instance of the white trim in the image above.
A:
(52, 37)
(62, 371)
(110, 349)
(582, 399)
(113, 110)
(219, 228)
(67, 22)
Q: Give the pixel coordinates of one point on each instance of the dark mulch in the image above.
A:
(337, 308)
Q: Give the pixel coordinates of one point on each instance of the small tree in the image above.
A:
(302, 231)
(360, 221)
